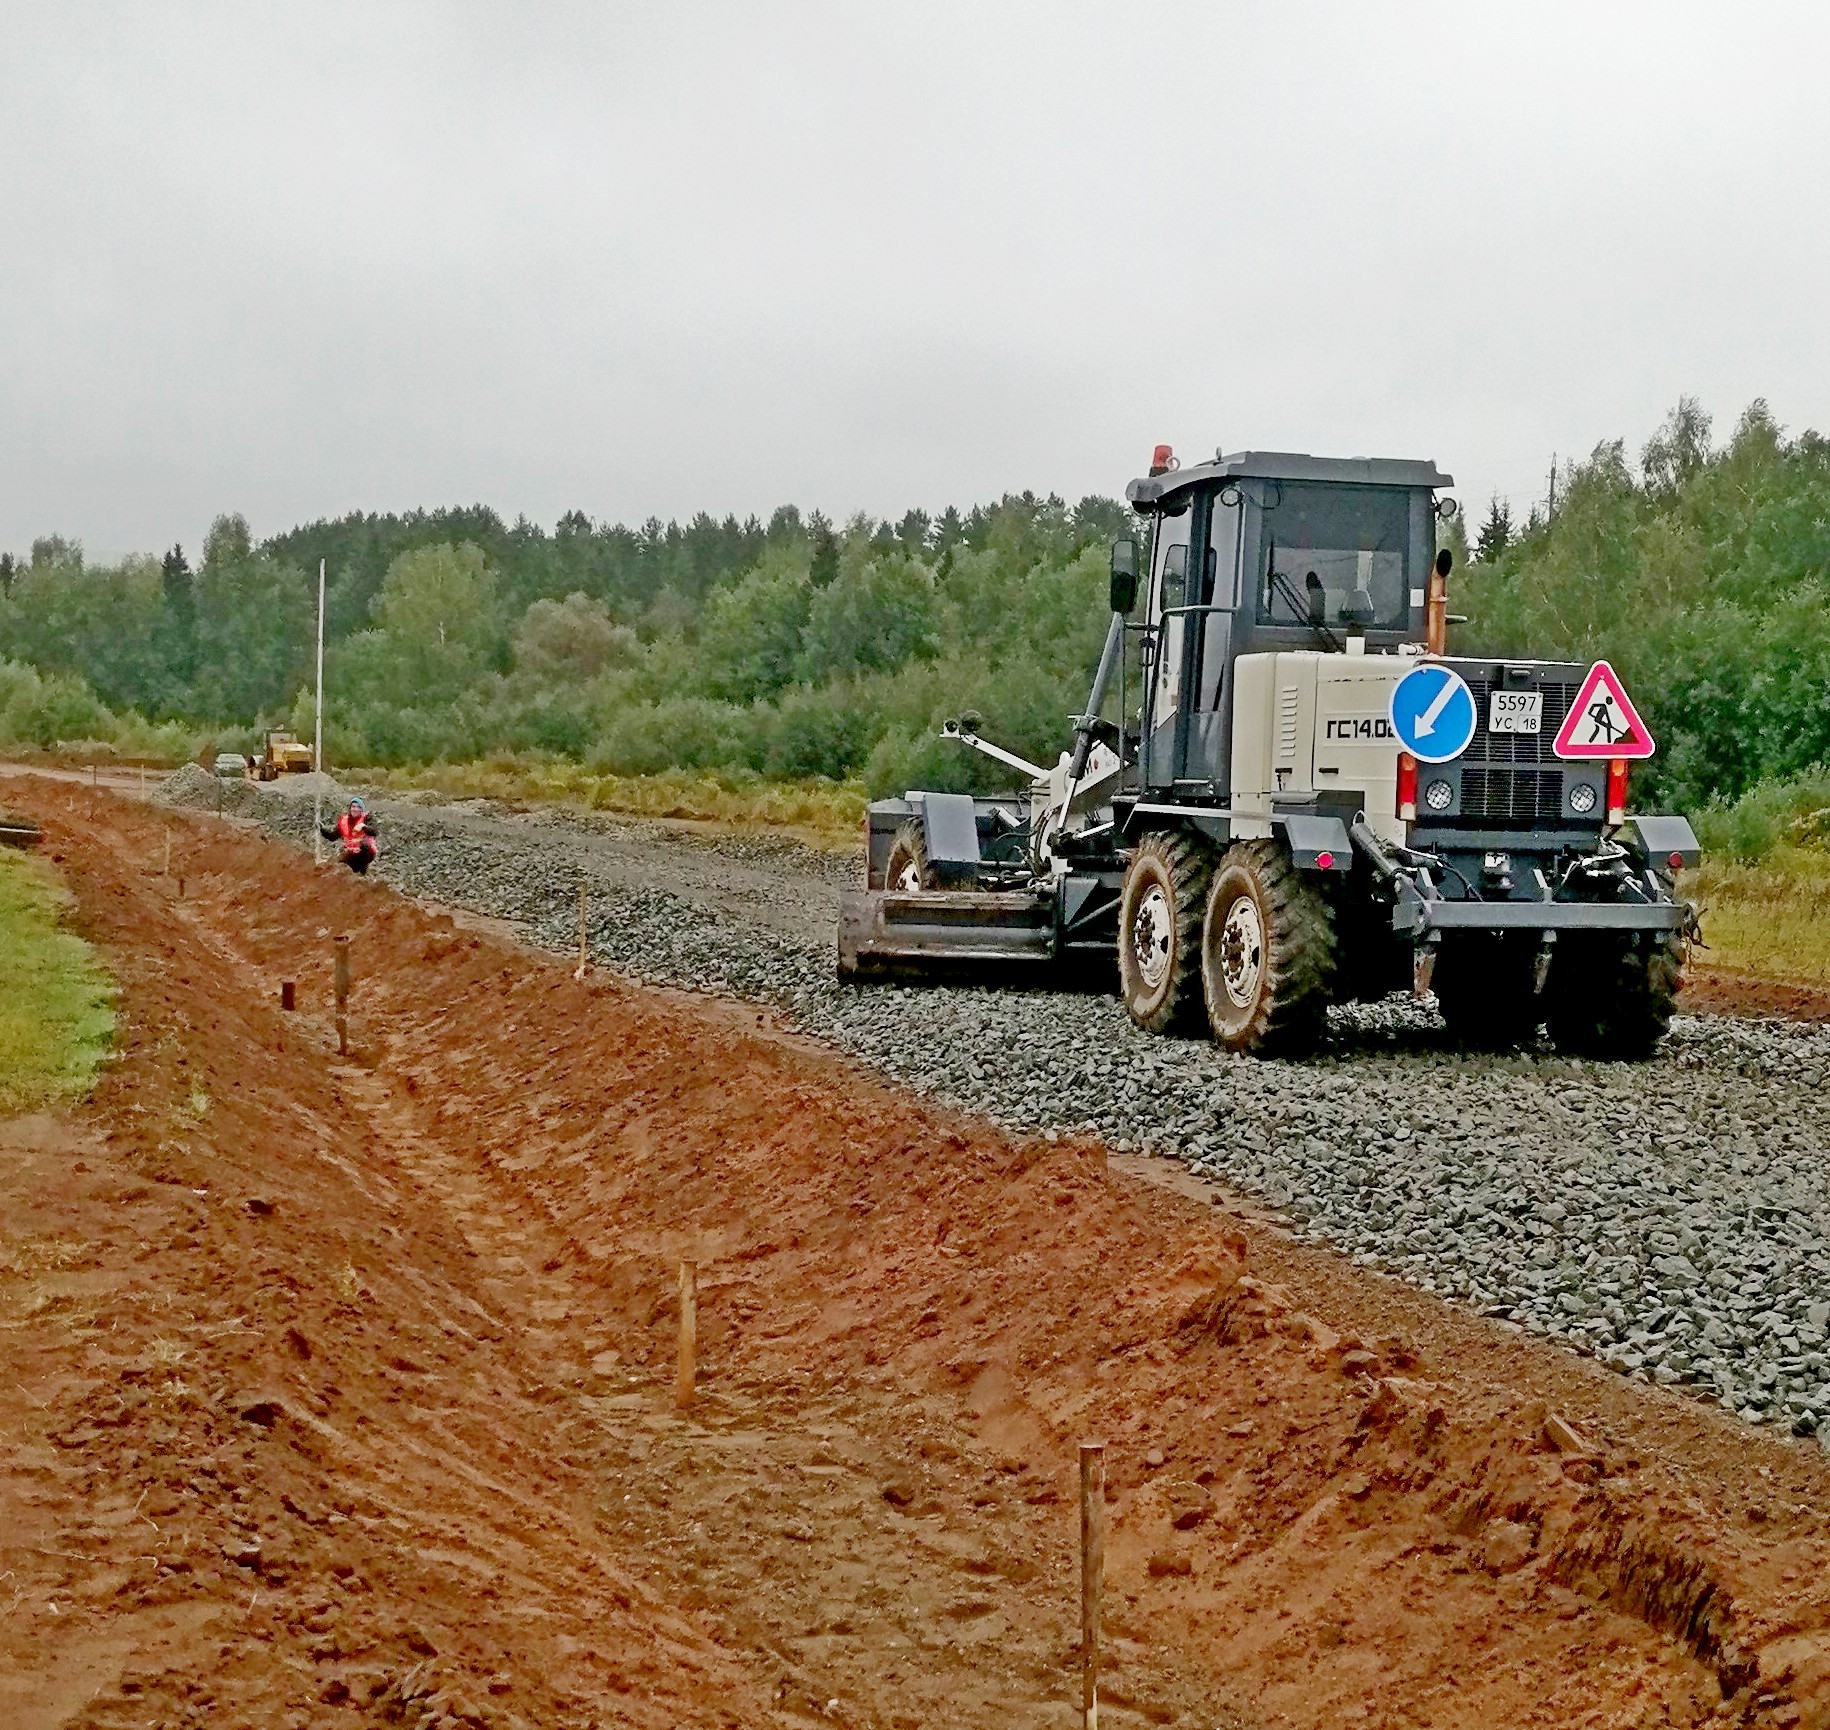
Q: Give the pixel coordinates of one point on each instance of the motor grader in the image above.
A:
(1304, 800)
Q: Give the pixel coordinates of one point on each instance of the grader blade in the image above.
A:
(885, 932)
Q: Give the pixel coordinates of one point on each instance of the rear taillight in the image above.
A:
(1407, 787)
(1617, 791)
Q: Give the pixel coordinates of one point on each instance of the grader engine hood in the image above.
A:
(1310, 726)
(1508, 776)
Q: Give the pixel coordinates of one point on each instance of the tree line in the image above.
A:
(794, 647)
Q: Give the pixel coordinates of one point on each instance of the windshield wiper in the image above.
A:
(1300, 612)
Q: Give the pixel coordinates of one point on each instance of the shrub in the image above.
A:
(44, 709)
(1794, 811)
(682, 732)
(906, 759)
(819, 732)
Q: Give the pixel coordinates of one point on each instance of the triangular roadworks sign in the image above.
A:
(1602, 723)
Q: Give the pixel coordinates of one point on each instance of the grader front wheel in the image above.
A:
(907, 869)
(1614, 996)
(1267, 953)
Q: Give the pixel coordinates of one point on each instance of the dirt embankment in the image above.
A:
(338, 1392)
(1720, 991)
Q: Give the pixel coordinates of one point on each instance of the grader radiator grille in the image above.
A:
(1512, 798)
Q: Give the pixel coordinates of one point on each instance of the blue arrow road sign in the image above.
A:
(1433, 713)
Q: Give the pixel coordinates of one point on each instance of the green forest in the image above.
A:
(798, 648)
(789, 649)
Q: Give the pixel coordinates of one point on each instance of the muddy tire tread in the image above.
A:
(1189, 865)
(912, 843)
(1300, 955)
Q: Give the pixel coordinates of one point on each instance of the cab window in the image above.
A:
(1336, 556)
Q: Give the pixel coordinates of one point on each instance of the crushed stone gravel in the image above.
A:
(1670, 1218)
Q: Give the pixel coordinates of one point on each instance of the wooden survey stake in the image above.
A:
(689, 1335)
(342, 987)
(1092, 1568)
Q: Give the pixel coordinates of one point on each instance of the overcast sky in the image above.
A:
(646, 260)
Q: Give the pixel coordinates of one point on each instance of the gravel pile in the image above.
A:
(311, 786)
(1671, 1218)
(285, 806)
(196, 789)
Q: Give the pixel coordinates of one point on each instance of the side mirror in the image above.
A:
(1445, 562)
(1124, 576)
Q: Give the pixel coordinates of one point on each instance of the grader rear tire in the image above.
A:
(1159, 933)
(1612, 996)
(1267, 953)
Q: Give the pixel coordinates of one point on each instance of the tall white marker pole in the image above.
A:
(317, 748)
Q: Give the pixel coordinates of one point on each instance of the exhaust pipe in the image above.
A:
(1436, 607)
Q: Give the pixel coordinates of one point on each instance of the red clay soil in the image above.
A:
(1722, 992)
(340, 1392)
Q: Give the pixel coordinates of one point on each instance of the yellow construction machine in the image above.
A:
(283, 754)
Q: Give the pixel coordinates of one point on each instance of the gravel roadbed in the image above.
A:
(1671, 1217)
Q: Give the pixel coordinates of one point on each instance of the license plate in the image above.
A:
(1515, 712)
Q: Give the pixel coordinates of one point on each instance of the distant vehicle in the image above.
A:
(283, 754)
(230, 766)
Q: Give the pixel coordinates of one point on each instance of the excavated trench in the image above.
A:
(1671, 1217)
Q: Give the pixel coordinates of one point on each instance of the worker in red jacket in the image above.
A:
(356, 835)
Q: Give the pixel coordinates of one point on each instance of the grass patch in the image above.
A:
(1771, 920)
(56, 1003)
(826, 813)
